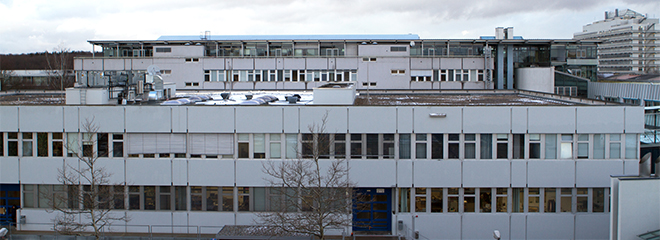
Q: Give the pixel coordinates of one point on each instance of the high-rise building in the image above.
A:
(629, 42)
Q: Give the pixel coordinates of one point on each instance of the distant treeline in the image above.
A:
(38, 61)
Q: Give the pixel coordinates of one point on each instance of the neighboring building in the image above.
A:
(630, 42)
(294, 62)
(635, 209)
(453, 165)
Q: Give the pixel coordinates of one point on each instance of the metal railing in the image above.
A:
(127, 232)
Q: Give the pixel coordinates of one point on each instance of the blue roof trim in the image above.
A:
(292, 37)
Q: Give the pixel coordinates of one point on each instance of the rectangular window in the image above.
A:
(420, 146)
(470, 146)
(134, 198)
(598, 200)
(307, 142)
(420, 199)
(227, 199)
(42, 144)
(486, 146)
(88, 145)
(180, 198)
(388, 146)
(501, 199)
(356, 145)
(28, 195)
(243, 199)
(28, 142)
(58, 145)
(566, 200)
(149, 197)
(502, 146)
(582, 200)
(615, 146)
(398, 49)
(243, 145)
(165, 198)
(631, 146)
(372, 146)
(102, 144)
(534, 146)
(599, 146)
(436, 200)
(275, 145)
(437, 146)
(518, 146)
(404, 146)
(211, 199)
(469, 199)
(12, 144)
(517, 200)
(259, 145)
(291, 146)
(485, 200)
(453, 146)
(163, 49)
(566, 147)
(117, 145)
(452, 199)
(551, 146)
(533, 200)
(583, 146)
(404, 199)
(196, 196)
(550, 198)
(339, 145)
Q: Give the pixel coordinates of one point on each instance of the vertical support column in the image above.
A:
(500, 66)
(509, 66)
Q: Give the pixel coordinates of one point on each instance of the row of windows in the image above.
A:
(263, 199)
(354, 146)
(279, 75)
(447, 75)
(504, 200)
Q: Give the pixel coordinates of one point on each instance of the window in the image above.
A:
(388, 146)
(28, 142)
(501, 199)
(398, 49)
(436, 146)
(470, 146)
(196, 198)
(117, 145)
(566, 147)
(550, 146)
(518, 146)
(468, 200)
(420, 146)
(339, 145)
(227, 199)
(356, 145)
(275, 145)
(452, 199)
(42, 144)
(149, 197)
(372, 146)
(517, 200)
(163, 49)
(582, 200)
(243, 145)
(398, 71)
(259, 145)
(72, 144)
(368, 59)
(102, 144)
(485, 200)
(486, 146)
(502, 146)
(436, 200)
(2, 144)
(291, 146)
(550, 198)
(192, 84)
(534, 146)
(243, 199)
(615, 145)
(533, 200)
(420, 199)
(404, 146)
(583, 146)
(453, 146)
(180, 198)
(599, 146)
(165, 198)
(58, 145)
(404, 199)
(566, 199)
(631, 146)
(188, 60)
(598, 200)
(134, 197)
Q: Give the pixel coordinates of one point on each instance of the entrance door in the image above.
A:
(372, 209)
(9, 201)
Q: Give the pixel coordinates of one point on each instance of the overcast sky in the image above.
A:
(42, 25)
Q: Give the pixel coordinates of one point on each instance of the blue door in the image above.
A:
(372, 209)
(10, 201)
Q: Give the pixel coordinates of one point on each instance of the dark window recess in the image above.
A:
(398, 49)
(163, 50)
(102, 142)
(436, 146)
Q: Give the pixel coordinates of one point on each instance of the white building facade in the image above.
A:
(530, 165)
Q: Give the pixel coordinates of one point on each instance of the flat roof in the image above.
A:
(291, 37)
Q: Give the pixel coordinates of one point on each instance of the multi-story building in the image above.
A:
(630, 42)
(456, 165)
(214, 62)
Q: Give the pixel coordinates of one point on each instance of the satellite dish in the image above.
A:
(412, 43)
(153, 70)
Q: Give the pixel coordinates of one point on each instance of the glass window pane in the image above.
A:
(599, 146)
(550, 200)
(598, 200)
(566, 150)
(550, 146)
(631, 146)
(436, 200)
(486, 148)
(404, 146)
(485, 200)
(404, 199)
(291, 146)
(615, 150)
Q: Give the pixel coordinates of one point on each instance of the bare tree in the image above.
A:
(60, 76)
(312, 194)
(5, 78)
(90, 196)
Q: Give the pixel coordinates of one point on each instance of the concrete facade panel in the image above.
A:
(383, 177)
(551, 120)
(258, 120)
(34, 170)
(590, 120)
(107, 119)
(266, 63)
(425, 123)
(243, 63)
(113, 64)
(480, 226)
(9, 118)
(148, 172)
(558, 226)
(451, 63)
(9, 170)
(337, 120)
(404, 167)
(206, 119)
(214, 64)
(596, 173)
(347, 63)
(518, 120)
(317, 63)
(518, 173)
(487, 119)
(148, 114)
(479, 173)
(432, 173)
(551, 173)
(421, 63)
(211, 172)
(361, 120)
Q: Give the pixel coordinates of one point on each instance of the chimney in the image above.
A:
(616, 12)
(605, 14)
